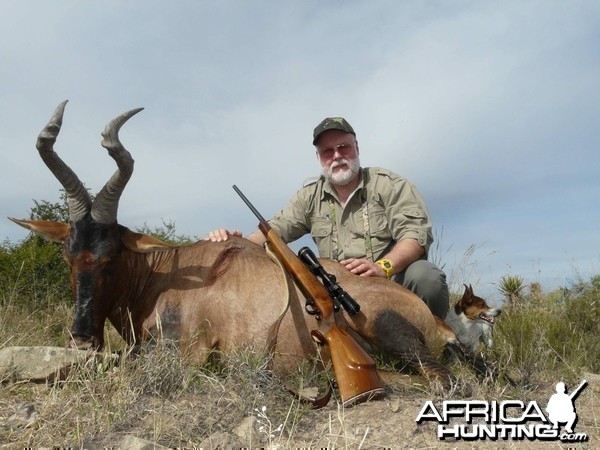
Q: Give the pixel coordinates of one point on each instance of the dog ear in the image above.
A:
(468, 295)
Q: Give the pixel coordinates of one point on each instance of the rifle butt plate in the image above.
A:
(366, 396)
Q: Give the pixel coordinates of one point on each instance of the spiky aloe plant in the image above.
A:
(512, 286)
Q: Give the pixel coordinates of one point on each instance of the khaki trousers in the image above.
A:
(429, 283)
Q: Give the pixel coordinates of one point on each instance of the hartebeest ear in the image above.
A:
(52, 231)
(142, 243)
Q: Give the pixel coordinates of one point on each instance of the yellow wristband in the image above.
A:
(387, 267)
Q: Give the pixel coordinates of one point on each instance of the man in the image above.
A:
(370, 219)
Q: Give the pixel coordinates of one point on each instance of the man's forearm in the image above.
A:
(257, 237)
(404, 253)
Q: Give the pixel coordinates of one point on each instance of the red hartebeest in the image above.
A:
(208, 295)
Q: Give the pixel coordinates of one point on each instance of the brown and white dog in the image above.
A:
(472, 319)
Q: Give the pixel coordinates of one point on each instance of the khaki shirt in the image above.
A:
(395, 208)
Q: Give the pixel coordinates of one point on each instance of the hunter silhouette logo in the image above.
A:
(561, 406)
(509, 419)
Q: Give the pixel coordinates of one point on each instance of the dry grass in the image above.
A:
(157, 396)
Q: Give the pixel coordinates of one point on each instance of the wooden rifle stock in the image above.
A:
(354, 369)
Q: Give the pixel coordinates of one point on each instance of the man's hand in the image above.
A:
(222, 235)
(363, 267)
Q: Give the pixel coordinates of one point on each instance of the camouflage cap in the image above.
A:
(332, 123)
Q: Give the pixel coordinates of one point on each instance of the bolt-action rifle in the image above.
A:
(354, 369)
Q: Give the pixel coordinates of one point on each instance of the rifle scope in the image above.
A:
(329, 281)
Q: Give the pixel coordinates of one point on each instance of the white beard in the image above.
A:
(342, 177)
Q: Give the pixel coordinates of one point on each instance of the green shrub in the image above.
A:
(556, 337)
(166, 232)
(33, 270)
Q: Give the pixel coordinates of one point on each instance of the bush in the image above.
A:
(166, 232)
(33, 271)
(556, 337)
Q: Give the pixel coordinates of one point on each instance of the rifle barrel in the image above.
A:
(250, 205)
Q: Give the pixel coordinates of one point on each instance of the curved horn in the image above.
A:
(78, 198)
(106, 203)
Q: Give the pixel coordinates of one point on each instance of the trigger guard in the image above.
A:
(318, 337)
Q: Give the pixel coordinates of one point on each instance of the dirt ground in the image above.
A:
(386, 423)
(391, 423)
(250, 410)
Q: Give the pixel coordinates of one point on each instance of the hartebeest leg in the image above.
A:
(104, 209)
(78, 198)
(397, 337)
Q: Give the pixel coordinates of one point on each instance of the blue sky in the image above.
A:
(489, 107)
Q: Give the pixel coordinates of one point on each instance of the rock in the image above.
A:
(39, 364)
(24, 416)
(247, 430)
(135, 443)
(221, 441)
(394, 403)
(309, 392)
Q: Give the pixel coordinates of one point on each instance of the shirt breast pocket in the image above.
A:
(321, 231)
(378, 224)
